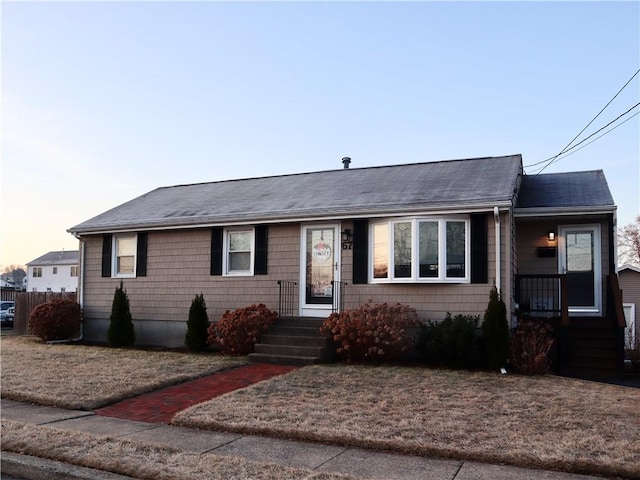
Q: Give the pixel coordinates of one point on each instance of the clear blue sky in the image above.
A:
(105, 101)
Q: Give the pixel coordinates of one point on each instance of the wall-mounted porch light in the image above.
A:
(346, 235)
(551, 236)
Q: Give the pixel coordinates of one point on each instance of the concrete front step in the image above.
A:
(283, 359)
(311, 322)
(293, 341)
(287, 331)
(290, 350)
(315, 341)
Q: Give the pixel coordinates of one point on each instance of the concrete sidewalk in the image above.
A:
(359, 463)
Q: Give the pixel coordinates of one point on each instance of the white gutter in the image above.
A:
(496, 215)
(316, 217)
(565, 211)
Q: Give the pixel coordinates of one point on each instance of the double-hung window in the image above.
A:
(239, 251)
(124, 255)
(420, 250)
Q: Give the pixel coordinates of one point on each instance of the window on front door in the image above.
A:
(580, 260)
(320, 264)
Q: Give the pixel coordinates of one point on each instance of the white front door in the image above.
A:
(320, 261)
(581, 260)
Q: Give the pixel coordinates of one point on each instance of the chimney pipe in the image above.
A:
(346, 161)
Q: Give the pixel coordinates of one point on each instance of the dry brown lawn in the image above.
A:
(544, 422)
(141, 461)
(87, 377)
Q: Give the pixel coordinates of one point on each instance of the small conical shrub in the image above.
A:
(196, 337)
(495, 329)
(120, 333)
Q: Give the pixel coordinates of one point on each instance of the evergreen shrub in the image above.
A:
(495, 330)
(196, 337)
(451, 342)
(120, 333)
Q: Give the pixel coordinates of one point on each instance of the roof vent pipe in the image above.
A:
(346, 161)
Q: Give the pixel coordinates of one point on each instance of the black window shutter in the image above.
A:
(141, 255)
(260, 260)
(479, 248)
(216, 251)
(106, 255)
(360, 251)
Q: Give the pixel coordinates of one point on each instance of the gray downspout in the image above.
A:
(496, 215)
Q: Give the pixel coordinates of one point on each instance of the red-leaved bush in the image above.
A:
(57, 319)
(531, 345)
(237, 332)
(371, 333)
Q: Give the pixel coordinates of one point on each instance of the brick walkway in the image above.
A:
(160, 406)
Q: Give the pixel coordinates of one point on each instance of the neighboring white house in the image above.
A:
(54, 272)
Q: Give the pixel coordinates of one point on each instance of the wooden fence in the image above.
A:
(27, 301)
(9, 294)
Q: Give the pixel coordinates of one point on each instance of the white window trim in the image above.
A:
(630, 329)
(415, 244)
(114, 256)
(225, 253)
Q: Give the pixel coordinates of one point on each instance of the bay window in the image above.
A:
(420, 250)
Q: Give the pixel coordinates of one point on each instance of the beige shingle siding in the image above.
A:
(178, 269)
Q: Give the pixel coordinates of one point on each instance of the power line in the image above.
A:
(552, 159)
(594, 118)
(587, 138)
(597, 138)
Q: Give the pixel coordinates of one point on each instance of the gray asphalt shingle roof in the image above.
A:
(334, 193)
(63, 257)
(565, 190)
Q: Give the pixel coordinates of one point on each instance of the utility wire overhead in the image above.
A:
(552, 159)
(598, 137)
(555, 159)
